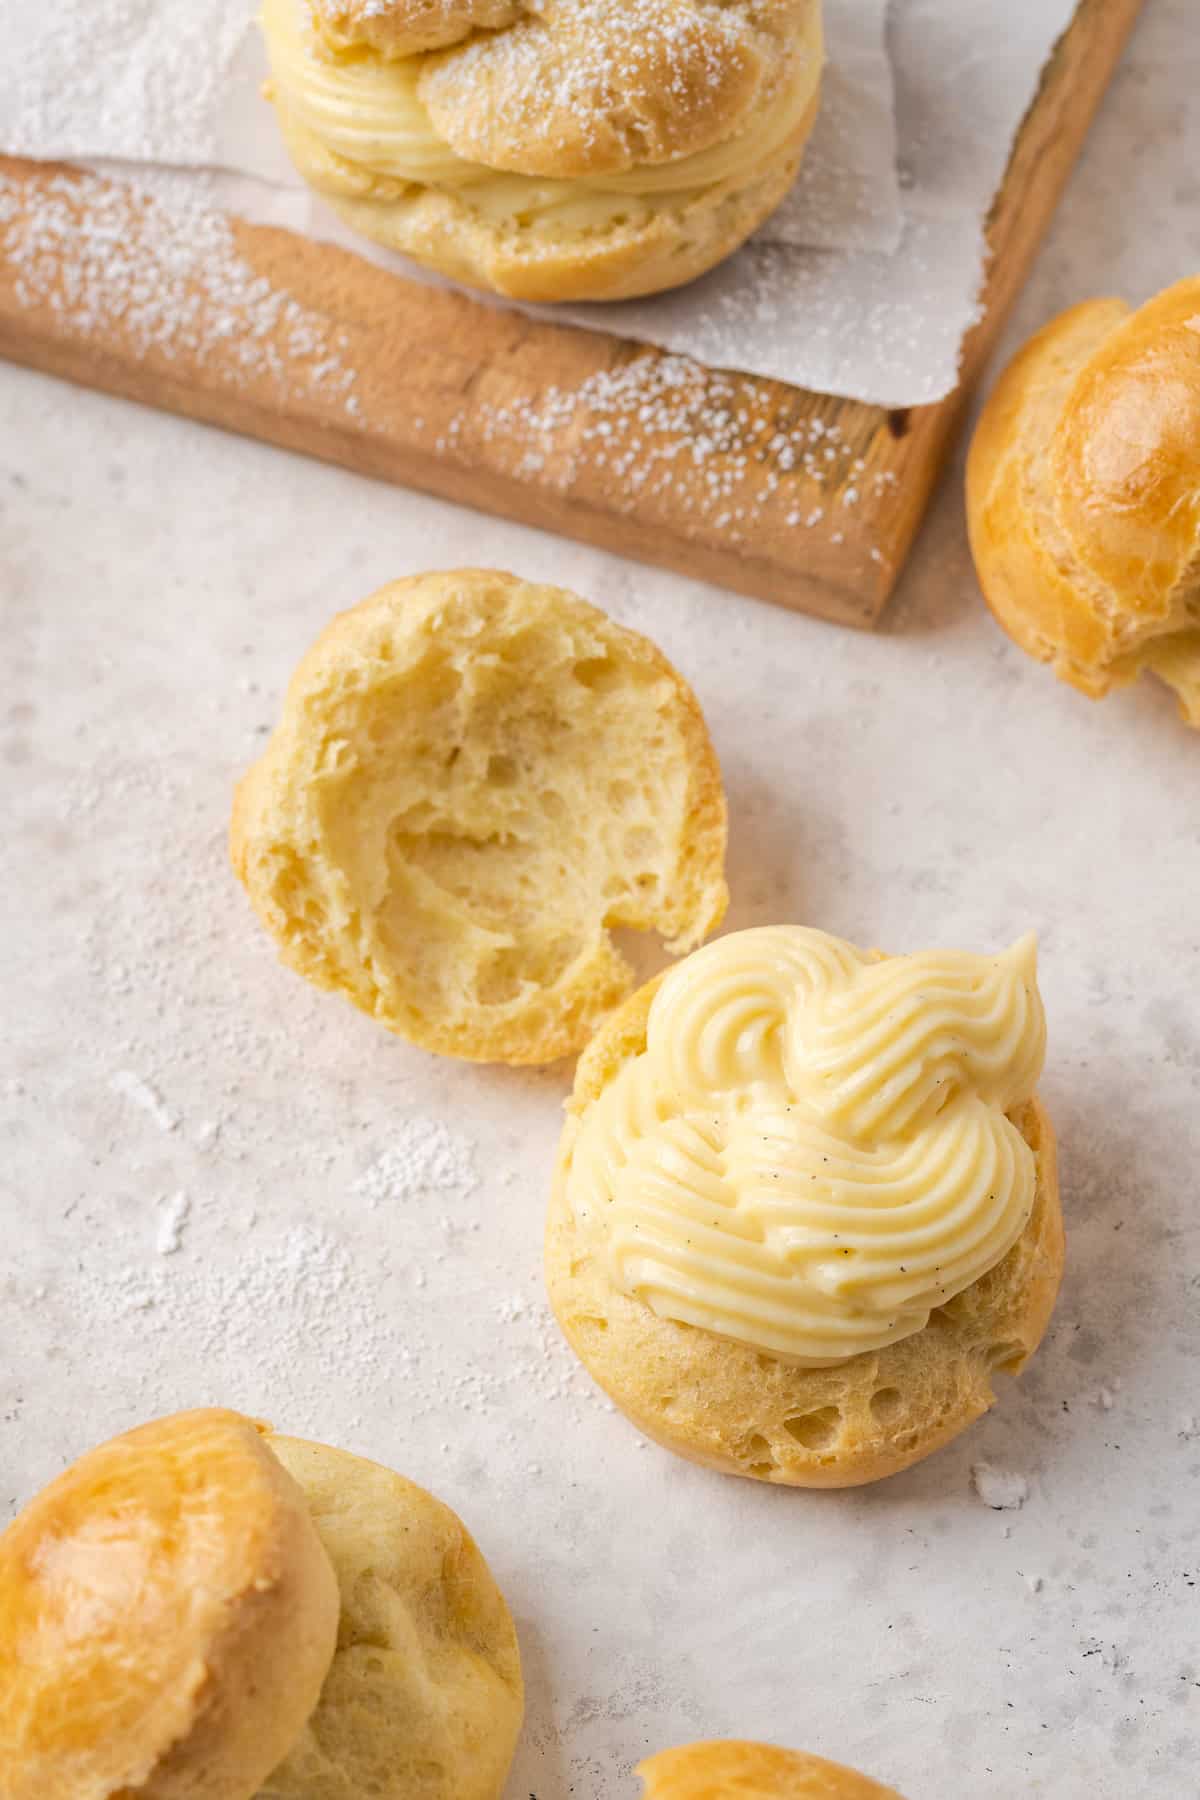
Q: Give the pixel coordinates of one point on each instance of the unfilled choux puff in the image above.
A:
(167, 1616)
(568, 150)
(473, 780)
(424, 1700)
(727, 1769)
(1083, 495)
(202, 1610)
(731, 1404)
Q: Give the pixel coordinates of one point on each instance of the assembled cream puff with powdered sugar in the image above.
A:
(549, 149)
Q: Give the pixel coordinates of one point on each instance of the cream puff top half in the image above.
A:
(521, 108)
(814, 1149)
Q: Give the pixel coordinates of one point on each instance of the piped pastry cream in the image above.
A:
(814, 1148)
(573, 149)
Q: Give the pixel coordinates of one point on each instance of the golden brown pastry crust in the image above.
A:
(727, 1769)
(409, 27)
(577, 90)
(599, 87)
(424, 1699)
(144, 1598)
(458, 804)
(724, 1404)
(1083, 495)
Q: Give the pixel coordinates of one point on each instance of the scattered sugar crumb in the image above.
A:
(1002, 1489)
(425, 1157)
(173, 1216)
(131, 1086)
(157, 267)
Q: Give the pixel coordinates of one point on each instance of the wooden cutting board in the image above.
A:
(757, 486)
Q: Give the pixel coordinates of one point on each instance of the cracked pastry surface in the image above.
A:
(572, 149)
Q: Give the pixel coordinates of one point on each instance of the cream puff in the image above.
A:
(1083, 495)
(201, 1610)
(806, 1202)
(549, 149)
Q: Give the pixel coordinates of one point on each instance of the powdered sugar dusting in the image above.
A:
(173, 1216)
(424, 1158)
(718, 445)
(287, 1306)
(162, 270)
(603, 72)
(142, 80)
(130, 1086)
(1004, 1490)
(302, 1287)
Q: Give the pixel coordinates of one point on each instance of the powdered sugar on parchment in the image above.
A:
(139, 80)
(868, 318)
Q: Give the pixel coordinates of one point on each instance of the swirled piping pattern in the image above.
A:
(368, 111)
(813, 1150)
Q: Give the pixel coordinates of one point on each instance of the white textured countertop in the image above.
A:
(219, 1185)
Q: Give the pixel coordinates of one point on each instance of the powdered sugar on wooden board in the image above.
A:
(161, 265)
(663, 425)
(162, 272)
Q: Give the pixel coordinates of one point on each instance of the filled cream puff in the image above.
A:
(549, 149)
(806, 1202)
